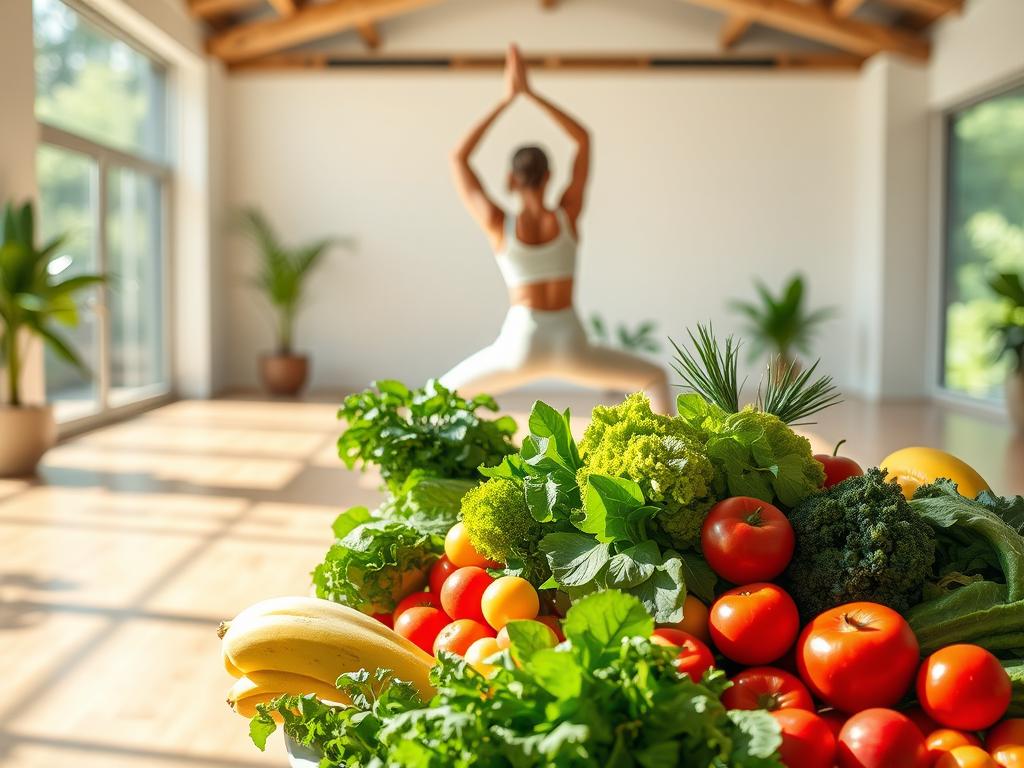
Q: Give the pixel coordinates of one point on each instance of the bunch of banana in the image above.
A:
(300, 645)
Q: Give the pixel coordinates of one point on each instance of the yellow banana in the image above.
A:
(299, 605)
(262, 686)
(323, 648)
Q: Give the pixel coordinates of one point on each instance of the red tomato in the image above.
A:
(838, 468)
(964, 687)
(462, 592)
(555, 624)
(924, 723)
(807, 741)
(858, 656)
(746, 540)
(767, 688)
(967, 756)
(416, 599)
(881, 738)
(421, 626)
(385, 618)
(694, 657)
(835, 721)
(754, 624)
(1009, 733)
(459, 635)
(1008, 756)
(440, 571)
(942, 740)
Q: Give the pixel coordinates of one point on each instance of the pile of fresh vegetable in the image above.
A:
(696, 589)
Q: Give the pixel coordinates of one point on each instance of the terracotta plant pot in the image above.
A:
(26, 433)
(284, 375)
(1015, 399)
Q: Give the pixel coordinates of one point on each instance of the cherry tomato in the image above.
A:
(838, 468)
(924, 723)
(482, 649)
(462, 592)
(767, 688)
(964, 687)
(386, 619)
(755, 624)
(509, 598)
(807, 741)
(966, 757)
(416, 598)
(554, 624)
(746, 540)
(460, 550)
(942, 740)
(1008, 756)
(459, 635)
(694, 621)
(858, 656)
(421, 626)
(835, 720)
(694, 657)
(881, 738)
(503, 638)
(440, 571)
(1009, 733)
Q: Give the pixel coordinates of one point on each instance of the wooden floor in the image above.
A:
(137, 539)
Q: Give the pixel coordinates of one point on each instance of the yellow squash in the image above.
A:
(914, 467)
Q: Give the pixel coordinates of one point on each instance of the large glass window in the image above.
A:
(103, 178)
(984, 235)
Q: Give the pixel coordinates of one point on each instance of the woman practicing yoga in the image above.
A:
(536, 251)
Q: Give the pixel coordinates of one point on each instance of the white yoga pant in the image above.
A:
(534, 344)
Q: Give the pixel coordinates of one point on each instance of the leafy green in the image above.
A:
(858, 540)
(606, 697)
(978, 596)
(380, 557)
(431, 430)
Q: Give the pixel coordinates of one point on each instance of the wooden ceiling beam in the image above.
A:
(661, 62)
(370, 35)
(734, 28)
(284, 7)
(212, 9)
(931, 9)
(844, 8)
(818, 23)
(312, 22)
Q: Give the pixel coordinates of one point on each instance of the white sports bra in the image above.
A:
(524, 264)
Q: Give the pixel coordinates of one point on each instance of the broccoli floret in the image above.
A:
(859, 540)
(660, 455)
(501, 528)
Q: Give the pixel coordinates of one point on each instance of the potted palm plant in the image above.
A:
(281, 277)
(1010, 332)
(781, 326)
(32, 301)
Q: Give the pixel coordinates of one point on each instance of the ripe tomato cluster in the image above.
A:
(466, 610)
(834, 684)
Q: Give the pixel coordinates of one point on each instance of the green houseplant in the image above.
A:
(32, 302)
(640, 339)
(781, 326)
(1009, 331)
(281, 277)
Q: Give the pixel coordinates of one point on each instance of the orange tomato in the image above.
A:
(459, 635)
(966, 757)
(1009, 733)
(942, 740)
(509, 598)
(481, 649)
(460, 549)
(695, 620)
(1008, 756)
(504, 642)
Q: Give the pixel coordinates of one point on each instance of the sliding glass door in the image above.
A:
(104, 174)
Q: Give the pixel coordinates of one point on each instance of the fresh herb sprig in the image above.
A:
(791, 395)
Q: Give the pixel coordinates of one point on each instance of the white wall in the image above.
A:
(700, 183)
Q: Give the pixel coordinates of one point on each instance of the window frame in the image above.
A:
(946, 140)
(105, 156)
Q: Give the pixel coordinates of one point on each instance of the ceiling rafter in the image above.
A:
(734, 28)
(212, 9)
(818, 23)
(252, 39)
(369, 34)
